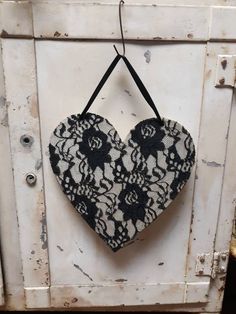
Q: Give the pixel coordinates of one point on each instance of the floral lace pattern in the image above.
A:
(118, 187)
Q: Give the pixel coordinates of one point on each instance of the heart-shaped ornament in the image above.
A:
(118, 187)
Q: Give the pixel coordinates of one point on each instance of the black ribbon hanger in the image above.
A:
(133, 73)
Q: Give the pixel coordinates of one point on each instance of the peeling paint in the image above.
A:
(3, 107)
(224, 64)
(121, 280)
(4, 121)
(128, 92)
(43, 235)
(57, 34)
(4, 34)
(147, 56)
(81, 251)
(60, 248)
(208, 74)
(83, 272)
(2, 102)
(33, 105)
(211, 163)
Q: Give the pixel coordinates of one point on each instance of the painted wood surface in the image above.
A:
(9, 233)
(118, 101)
(174, 20)
(65, 265)
(21, 96)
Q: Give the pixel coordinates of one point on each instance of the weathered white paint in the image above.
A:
(216, 111)
(21, 96)
(67, 94)
(77, 296)
(223, 23)
(211, 158)
(153, 21)
(16, 18)
(227, 204)
(11, 260)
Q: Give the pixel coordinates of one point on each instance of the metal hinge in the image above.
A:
(211, 264)
(226, 71)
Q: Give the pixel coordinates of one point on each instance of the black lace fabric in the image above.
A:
(118, 187)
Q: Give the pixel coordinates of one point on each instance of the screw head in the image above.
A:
(31, 179)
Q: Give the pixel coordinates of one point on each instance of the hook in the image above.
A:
(121, 30)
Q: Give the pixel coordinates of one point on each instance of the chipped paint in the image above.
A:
(81, 251)
(127, 92)
(60, 248)
(26, 140)
(57, 34)
(33, 105)
(4, 120)
(224, 64)
(43, 235)
(121, 280)
(4, 114)
(147, 56)
(133, 114)
(211, 163)
(82, 271)
(208, 74)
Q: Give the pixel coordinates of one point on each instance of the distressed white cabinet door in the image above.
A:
(83, 270)
(65, 264)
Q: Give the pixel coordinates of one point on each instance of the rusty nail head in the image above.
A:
(31, 178)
